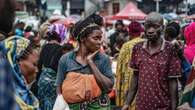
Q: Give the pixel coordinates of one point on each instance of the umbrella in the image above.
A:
(131, 12)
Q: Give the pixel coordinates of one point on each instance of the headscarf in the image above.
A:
(60, 29)
(189, 50)
(135, 28)
(14, 47)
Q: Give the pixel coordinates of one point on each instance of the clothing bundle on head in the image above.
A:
(135, 28)
(57, 30)
(16, 47)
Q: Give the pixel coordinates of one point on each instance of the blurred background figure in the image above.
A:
(188, 99)
(19, 28)
(48, 64)
(124, 73)
(7, 10)
(119, 34)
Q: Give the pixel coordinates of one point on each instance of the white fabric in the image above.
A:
(60, 103)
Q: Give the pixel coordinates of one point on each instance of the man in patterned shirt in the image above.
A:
(156, 69)
(7, 13)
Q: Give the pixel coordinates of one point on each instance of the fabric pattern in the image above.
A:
(46, 89)
(7, 101)
(124, 73)
(60, 29)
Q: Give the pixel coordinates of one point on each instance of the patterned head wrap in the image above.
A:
(60, 29)
(14, 47)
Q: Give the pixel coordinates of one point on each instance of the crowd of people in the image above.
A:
(155, 64)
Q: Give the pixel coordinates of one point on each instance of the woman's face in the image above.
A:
(93, 41)
(29, 67)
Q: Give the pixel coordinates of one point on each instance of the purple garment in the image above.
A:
(60, 29)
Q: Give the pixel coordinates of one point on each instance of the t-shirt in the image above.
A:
(68, 63)
(154, 72)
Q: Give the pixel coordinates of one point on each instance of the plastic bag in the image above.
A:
(60, 103)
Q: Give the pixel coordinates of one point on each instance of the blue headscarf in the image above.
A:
(13, 48)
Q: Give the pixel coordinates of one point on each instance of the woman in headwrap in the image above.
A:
(89, 65)
(189, 34)
(23, 58)
(48, 63)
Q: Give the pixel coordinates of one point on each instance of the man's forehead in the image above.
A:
(154, 18)
(153, 22)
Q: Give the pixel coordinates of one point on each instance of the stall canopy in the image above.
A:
(130, 12)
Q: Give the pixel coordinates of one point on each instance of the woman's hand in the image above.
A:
(91, 56)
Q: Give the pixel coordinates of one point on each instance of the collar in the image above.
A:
(145, 43)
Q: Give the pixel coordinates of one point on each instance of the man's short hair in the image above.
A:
(155, 17)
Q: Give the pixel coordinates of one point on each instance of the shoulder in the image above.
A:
(66, 58)
(102, 56)
(139, 45)
(169, 46)
(133, 42)
(68, 55)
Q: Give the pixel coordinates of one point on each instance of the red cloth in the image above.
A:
(135, 28)
(154, 70)
(189, 50)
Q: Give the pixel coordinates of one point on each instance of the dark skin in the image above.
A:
(89, 47)
(153, 29)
